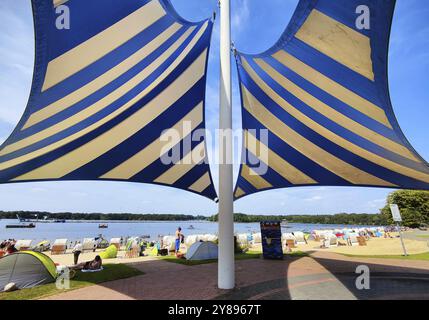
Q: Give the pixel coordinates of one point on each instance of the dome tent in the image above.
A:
(111, 252)
(202, 251)
(26, 269)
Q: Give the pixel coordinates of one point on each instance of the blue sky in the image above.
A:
(256, 26)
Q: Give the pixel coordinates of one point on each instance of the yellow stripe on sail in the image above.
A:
(306, 147)
(189, 161)
(118, 134)
(101, 44)
(201, 184)
(151, 153)
(106, 78)
(346, 144)
(101, 104)
(239, 192)
(277, 163)
(58, 2)
(339, 42)
(254, 178)
(326, 110)
(333, 88)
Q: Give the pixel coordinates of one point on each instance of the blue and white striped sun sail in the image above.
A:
(105, 90)
(321, 94)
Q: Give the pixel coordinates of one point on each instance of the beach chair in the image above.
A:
(333, 241)
(88, 244)
(242, 239)
(212, 237)
(59, 246)
(299, 238)
(169, 243)
(190, 240)
(116, 242)
(23, 245)
(361, 240)
(132, 249)
(257, 238)
(290, 243)
(353, 240)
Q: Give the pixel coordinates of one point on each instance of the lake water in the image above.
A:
(83, 229)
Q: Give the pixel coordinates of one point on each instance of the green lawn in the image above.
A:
(425, 236)
(238, 256)
(420, 256)
(110, 272)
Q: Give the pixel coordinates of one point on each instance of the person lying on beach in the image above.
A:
(89, 265)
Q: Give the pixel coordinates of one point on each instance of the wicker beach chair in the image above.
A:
(59, 246)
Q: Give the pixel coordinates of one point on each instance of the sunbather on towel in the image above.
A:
(89, 265)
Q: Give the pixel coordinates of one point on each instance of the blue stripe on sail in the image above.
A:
(51, 43)
(157, 168)
(191, 176)
(345, 12)
(80, 13)
(246, 186)
(30, 165)
(198, 49)
(142, 138)
(334, 70)
(104, 64)
(327, 123)
(270, 175)
(292, 156)
(112, 86)
(333, 102)
(331, 147)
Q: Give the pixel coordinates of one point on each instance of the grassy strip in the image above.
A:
(238, 256)
(419, 256)
(110, 272)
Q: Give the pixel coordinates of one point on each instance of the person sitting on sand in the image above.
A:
(89, 265)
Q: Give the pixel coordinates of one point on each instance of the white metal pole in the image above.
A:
(402, 240)
(226, 276)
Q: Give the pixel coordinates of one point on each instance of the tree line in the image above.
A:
(414, 207)
(98, 216)
(341, 218)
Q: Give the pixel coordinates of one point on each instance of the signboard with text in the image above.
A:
(396, 214)
(271, 235)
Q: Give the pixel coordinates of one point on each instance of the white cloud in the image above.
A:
(240, 16)
(16, 59)
(314, 198)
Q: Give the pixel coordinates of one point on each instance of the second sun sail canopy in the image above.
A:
(316, 107)
(105, 90)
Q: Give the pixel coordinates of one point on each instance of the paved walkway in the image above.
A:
(322, 275)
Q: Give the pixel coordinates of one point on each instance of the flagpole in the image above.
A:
(226, 276)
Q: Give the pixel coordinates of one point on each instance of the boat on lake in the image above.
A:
(284, 224)
(103, 226)
(20, 226)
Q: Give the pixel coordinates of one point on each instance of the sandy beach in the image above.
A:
(374, 247)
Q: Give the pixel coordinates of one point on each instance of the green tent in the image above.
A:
(26, 269)
(110, 253)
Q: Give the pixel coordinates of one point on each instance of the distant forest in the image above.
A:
(343, 218)
(98, 216)
(414, 206)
